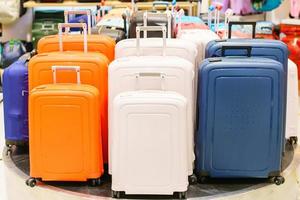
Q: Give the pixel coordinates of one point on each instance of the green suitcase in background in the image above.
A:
(45, 23)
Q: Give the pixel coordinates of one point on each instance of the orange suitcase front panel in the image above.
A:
(93, 71)
(65, 136)
(96, 43)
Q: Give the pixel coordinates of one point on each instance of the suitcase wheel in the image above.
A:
(202, 179)
(95, 182)
(182, 195)
(116, 194)
(31, 182)
(8, 151)
(293, 140)
(192, 179)
(278, 180)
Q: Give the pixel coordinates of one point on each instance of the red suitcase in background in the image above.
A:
(290, 34)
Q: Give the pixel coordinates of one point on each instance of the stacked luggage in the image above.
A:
(168, 106)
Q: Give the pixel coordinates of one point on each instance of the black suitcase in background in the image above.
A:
(154, 19)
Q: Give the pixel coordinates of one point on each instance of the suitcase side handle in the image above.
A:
(150, 28)
(72, 25)
(80, 12)
(73, 68)
(169, 19)
(247, 48)
(162, 77)
(253, 24)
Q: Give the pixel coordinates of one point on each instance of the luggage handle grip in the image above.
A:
(230, 24)
(151, 74)
(72, 25)
(82, 12)
(169, 19)
(150, 28)
(247, 48)
(160, 3)
(74, 68)
(48, 27)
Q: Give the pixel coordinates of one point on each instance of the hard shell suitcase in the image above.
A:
(74, 42)
(241, 123)
(150, 143)
(116, 34)
(273, 49)
(65, 136)
(152, 46)
(291, 129)
(142, 18)
(94, 70)
(15, 102)
(178, 76)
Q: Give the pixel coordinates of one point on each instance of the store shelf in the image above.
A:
(116, 4)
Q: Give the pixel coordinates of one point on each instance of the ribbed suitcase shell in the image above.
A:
(15, 102)
(96, 43)
(153, 47)
(150, 143)
(240, 103)
(65, 136)
(93, 70)
(178, 77)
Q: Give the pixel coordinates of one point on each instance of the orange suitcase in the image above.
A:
(74, 42)
(64, 131)
(94, 71)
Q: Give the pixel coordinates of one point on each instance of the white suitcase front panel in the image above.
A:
(178, 77)
(154, 46)
(150, 143)
(292, 101)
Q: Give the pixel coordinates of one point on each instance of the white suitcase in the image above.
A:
(144, 72)
(152, 46)
(291, 129)
(150, 143)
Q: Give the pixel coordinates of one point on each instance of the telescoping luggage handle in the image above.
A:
(73, 68)
(162, 77)
(80, 12)
(150, 28)
(72, 25)
(169, 18)
(247, 48)
(253, 24)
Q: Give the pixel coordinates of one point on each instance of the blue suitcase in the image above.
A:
(273, 49)
(15, 99)
(240, 123)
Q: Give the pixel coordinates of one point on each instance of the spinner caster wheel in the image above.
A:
(293, 140)
(278, 180)
(95, 182)
(31, 182)
(202, 179)
(182, 195)
(8, 152)
(192, 179)
(116, 194)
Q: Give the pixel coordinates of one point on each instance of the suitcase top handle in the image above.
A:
(73, 68)
(67, 26)
(247, 48)
(169, 19)
(162, 77)
(80, 12)
(160, 3)
(253, 24)
(150, 28)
